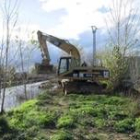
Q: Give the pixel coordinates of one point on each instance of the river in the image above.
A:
(15, 95)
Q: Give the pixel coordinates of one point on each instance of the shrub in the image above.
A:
(99, 123)
(115, 100)
(125, 125)
(120, 116)
(23, 136)
(7, 136)
(47, 120)
(136, 136)
(86, 121)
(31, 118)
(32, 132)
(65, 121)
(4, 126)
(137, 124)
(95, 111)
(44, 96)
(41, 119)
(6, 132)
(87, 110)
(27, 106)
(62, 135)
(82, 111)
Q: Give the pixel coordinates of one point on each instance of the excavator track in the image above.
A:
(83, 87)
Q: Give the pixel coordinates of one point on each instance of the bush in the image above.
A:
(32, 132)
(86, 121)
(7, 137)
(62, 135)
(44, 96)
(136, 136)
(4, 126)
(41, 119)
(83, 110)
(99, 123)
(6, 132)
(27, 106)
(95, 111)
(65, 121)
(125, 125)
(137, 125)
(47, 120)
(29, 114)
(115, 100)
(22, 136)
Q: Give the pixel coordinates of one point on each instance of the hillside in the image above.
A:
(53, 116)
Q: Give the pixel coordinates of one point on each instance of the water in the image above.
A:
(15, 95)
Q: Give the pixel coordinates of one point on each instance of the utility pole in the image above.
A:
(94, 29)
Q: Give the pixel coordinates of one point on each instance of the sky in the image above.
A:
(68, 19)
(65, 18)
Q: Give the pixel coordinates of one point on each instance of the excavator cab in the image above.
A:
(67, 63)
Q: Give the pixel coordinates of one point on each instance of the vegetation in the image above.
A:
(53, 116)
(15, 49)
(121, 44)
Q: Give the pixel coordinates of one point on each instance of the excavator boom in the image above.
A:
(43, 47)
(60, 43)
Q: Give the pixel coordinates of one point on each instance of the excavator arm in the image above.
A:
(60, 43)
(44, 49)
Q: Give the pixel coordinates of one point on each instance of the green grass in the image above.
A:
(53, 116)
(62, 135)
(125, 125)
(65, 121)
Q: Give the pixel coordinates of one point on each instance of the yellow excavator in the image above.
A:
(72, 75)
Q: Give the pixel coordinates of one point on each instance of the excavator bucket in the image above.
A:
(43, 69)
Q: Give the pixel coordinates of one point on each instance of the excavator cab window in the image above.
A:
(64, 65)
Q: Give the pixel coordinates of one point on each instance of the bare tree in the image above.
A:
(123, 37)
(22, 67)
(15, 44)
(24, 55)
(125, 20)
(9, 10)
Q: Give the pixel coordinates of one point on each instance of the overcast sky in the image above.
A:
(65, 18)
(69, 19)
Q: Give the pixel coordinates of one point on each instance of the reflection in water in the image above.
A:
(15, 95)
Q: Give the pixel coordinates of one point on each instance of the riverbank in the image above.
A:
(28, 80)
(53, 116)
(15, 95)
